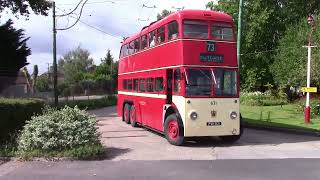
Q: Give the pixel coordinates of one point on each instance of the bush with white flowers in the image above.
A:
(59, 130)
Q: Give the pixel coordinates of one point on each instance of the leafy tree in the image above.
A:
(108, 59)
(74, 64)
(42, 83)
(289, 67)
(23, 7)
(264, 23)
(14, 53)
(163, 14)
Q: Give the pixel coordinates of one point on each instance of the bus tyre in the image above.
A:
(233, 138)
(126, 113)
(173, 131)
(133, 116)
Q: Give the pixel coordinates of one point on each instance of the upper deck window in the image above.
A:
(152, 39)
(125, 53)
(136, 45)
(195, 29)
(161, 35)
(121, 51)
(131, 47)
(173, 30)
(143, 42)
(222, 31)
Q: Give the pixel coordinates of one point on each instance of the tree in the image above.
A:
(42, 83)
(163, 14)
(22, 7)
(13, 52)
(74, 64)
(108, 59)
(264, 23)
(289, 67)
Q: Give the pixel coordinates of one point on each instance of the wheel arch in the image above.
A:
(170, 109)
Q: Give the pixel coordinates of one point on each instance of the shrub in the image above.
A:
(91, 103)
(314, 103)
(14, 113)
(262, 99)
(59, 130)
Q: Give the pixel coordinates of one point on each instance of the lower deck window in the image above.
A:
(142, 87)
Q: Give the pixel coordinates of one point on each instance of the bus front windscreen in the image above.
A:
(199, 82)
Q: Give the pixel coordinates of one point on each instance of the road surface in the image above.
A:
(136, 153)
(127, 143)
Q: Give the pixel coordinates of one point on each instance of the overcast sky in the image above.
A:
(116, 18)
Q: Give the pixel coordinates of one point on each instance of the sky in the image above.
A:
(104, 23)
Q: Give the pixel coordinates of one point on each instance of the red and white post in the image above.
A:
(307, 110)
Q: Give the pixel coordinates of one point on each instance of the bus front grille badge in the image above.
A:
(213, 113)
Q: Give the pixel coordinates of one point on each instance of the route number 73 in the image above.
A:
(211, 46)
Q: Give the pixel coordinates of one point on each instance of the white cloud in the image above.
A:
(118, 19)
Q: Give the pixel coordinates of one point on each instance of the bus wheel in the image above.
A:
(133, 116)
(126, 113)
(172, 130)
(234, 138)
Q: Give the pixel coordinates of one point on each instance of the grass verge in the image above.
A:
(286, 116)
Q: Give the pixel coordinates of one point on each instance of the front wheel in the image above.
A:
(173, 131)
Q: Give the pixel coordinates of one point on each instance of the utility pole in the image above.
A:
(55, 75)
(239, 31)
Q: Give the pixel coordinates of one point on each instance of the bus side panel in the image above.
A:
(153, 113)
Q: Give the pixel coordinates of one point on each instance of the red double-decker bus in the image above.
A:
(179, 76)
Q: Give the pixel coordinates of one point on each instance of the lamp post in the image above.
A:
(311, 22)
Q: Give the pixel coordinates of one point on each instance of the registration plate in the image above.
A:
(214, 123)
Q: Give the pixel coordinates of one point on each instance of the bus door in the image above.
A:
(169, 86)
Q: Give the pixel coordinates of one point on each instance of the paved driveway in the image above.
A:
(124, 142)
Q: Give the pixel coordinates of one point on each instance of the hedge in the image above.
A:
(14, 113)
(91, 103)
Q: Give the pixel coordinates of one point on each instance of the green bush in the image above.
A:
(59, 130)
(91, 103)
(262, 99)
(14, 113)
(313, 107)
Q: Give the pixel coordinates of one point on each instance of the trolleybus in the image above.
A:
(179, 76)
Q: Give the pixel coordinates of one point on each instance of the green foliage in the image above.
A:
(289, 67)
(85, 152)
(14, 114)
(75, 64)
(286, 116)
(42, 83)
(163, 14)
(314, 107)
(108, 59)
(263, 99)
(264, 23)
(91, 103)
(23, 6)
(14, 52)
(59, 130)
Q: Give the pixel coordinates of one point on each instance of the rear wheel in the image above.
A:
(126, 113)
(173, 131)
(133, 116)
(233, 138)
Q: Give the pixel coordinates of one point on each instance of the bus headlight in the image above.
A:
(193, 115)
(233, 115)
